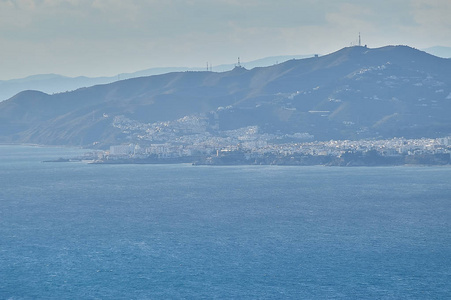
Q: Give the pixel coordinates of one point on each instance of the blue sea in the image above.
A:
(81, 231)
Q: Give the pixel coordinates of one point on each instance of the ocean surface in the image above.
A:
(82, 231)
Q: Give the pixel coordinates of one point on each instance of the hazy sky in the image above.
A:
(107, 37)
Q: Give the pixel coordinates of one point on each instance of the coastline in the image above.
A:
(237, 158)
(329, 161)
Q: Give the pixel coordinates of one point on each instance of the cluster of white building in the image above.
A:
(260, 147)
(189, 136)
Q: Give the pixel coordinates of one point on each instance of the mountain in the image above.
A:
(53, 83)
(48, 83)
(353, 93)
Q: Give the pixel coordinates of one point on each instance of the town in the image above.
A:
(190, 140)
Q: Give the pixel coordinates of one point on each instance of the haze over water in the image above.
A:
(73, 230)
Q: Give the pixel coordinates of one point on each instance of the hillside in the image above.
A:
(353, 93)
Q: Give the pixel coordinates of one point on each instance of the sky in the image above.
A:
(107, 37)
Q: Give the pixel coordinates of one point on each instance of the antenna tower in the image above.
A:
(239, 64)
(360, 44)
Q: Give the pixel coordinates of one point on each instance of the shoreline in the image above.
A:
(243, 159)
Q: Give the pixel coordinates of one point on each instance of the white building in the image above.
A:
(122, 149)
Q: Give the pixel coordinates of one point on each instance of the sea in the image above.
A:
(73, 230)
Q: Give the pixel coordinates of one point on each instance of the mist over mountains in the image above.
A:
(354, 93)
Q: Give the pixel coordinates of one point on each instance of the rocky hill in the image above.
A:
(353, 93)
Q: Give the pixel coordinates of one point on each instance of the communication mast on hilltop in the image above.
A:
(360, 44)
(238, 64)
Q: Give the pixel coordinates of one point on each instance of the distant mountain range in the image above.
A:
(353, 93)
(53, 83)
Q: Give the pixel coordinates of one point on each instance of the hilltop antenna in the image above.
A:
(239, 64)
(360, 44)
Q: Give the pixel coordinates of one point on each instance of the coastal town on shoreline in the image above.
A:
(247, 147)
(190, 140)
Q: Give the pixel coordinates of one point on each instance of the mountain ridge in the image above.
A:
(54, 83)
(356, 92)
